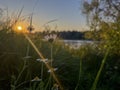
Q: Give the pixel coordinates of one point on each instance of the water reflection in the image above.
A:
(77, 43)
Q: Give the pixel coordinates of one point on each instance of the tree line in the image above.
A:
(68, 35)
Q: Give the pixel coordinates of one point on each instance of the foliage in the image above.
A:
(104, 19)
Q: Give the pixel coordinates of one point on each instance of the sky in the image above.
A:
(66, 13)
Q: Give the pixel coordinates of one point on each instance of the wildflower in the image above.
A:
(42, 60)
(30, 28)
(54, 69)
(36, 79)
(38, 59)
(46, 37)
(51, 37)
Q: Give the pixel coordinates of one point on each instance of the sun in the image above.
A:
(19, 28)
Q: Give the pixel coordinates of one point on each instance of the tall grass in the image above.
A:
(100, 70)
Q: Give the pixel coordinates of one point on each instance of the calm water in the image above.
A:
(76, 43)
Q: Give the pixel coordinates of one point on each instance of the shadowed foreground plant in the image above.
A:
(13, 87)
(46, 64)
(80, 73)
(100, 70)
(51, 38)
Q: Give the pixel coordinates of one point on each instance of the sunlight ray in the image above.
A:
(43, 58)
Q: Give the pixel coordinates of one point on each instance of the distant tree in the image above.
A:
(71, 35)
(103, 17)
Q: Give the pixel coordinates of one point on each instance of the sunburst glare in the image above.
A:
(19, 28)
